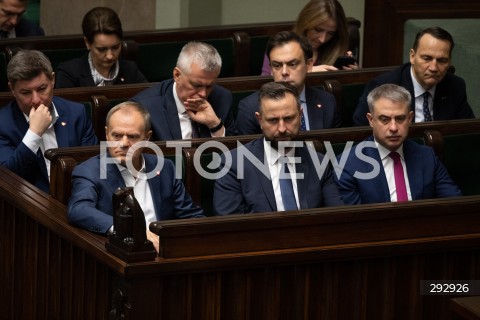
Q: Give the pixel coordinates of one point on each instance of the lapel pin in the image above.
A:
(64, 123)
(158, 173)
(319, 105)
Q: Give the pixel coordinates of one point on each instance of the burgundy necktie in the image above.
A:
(400, 186)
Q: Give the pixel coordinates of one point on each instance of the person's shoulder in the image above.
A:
(452, 79)
(61, 103)
(317, 92)
(75, 61)
(251, 99)
(411, 146)
(90, 165)
(127, 64)
(255, 144)
(7, 109)
(151, 102)
(27, 28)
(395, 75)
(158, 89)
(219, 91)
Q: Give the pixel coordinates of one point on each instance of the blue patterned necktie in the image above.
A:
(303, 125)
(286, 188)
(426, 111)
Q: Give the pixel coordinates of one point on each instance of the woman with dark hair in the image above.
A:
(102, 65)
(324, 24)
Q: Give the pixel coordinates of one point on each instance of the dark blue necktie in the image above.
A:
(3, 34)
(286, 188)
(426, 111)
(303, 125)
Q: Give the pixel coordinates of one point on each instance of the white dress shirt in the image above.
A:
(272, 156)
(141, 190)
(387, 163)
(419, 91)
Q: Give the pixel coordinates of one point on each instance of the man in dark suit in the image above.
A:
(290, 60)
(436, 93)
(277, 176)
(160, 194)
(388, 167)
(12, 25)
(36, 121)
(190, 105)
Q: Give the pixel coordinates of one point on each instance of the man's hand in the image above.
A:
(40, 119)
(200, 110)
(323, 67)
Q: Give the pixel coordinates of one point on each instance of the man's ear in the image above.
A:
(259, 117)
(410, 117)
(370, 119)
(10, 86)
(412, 55)
(176, 74)
(149, 135)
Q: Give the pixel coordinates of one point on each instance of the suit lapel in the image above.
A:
(314, 110)
(19, 118)
(380, 182)
(22, 125)
(414, 170)
(61, 127)
(440, 102)
(171, 115)
(155, 184)
(302, 184)
(114, 177)
(265, 182)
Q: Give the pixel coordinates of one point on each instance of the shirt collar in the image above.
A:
(272, 155)
(180, 107)
(302, 96)
(124, 170)
(384, 152)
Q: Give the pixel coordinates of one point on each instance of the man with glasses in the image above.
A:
(290, 59)
(12, 25)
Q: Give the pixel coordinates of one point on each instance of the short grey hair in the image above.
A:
(131, 106)
(390, 92)
(28, 64)
(203, 54)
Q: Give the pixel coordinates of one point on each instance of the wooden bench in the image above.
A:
(200, 188)
(331, 263)
(98, 100)
(241, 47)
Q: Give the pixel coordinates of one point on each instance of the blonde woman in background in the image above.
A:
(324, 24)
